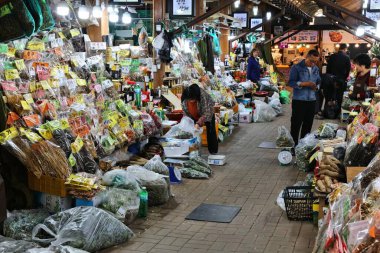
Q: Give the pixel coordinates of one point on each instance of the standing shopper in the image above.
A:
(304, 79)
(339, 66)
(363, 64)
(198, 105)
(253, 69)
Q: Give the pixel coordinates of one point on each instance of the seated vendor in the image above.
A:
(198, 105)
(362, 63)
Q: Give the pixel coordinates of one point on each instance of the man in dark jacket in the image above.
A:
(305, 80)
(339, 66)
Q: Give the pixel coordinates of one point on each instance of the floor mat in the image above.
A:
(214, 213)
(268, 145)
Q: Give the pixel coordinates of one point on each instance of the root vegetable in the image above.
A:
(330, 173)
(328, 167)
(328, 181)
(321, 186)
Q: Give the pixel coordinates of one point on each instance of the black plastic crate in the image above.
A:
(299, 203)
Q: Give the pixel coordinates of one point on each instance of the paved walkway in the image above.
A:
(252, 178)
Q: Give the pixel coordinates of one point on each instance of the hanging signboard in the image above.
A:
(256, 21)
(339, 36)
(301, 37)
(242, 17)
(373, 15)
(181, 8)
(374, 5)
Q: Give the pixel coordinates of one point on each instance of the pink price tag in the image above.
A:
(98, 88)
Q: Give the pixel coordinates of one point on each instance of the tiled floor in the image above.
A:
(252, 178)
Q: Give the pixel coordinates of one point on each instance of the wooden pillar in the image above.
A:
(159, 7)
(96, 32)
(200, 7)
(224, 43)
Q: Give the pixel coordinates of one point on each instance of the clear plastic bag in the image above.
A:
(17, 246)
(121, 179)
(302, 150)
(158, 42)
(328, 130)
(263, 112)
(276, 105)
(158, 188)
(284, 138)
(87, 228)
(186, 125)
(193, 174)
(364, 179)
(19, 224)
(123, 203)
(56, 249)
(361, 148)
(155, 164)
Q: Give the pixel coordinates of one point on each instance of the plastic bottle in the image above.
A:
(138, 96)
(143, 209)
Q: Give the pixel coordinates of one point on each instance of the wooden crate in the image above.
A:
(46, 184)
(351, 172)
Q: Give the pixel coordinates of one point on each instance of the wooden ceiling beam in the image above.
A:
(339, 8)
(341, 23)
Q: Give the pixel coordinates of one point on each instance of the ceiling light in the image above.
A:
(368, 45)
(255, 10)
(307, 46)
(312, 22)
(290, 46)
(348, 45)
(298, 46)
(97, 10)
(359, 31)
(113, 17)
(126, 18)
(63, 9)
(356, 45)
(83, 12)
(237, 3)
(269, 15)
(276, 46)
(319, 13)
(337, 45)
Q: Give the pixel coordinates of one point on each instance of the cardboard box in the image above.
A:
(52, 203)
(351, 172)
(245, 117)
(219, 160)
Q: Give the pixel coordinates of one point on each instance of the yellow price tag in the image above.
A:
(46, 134)
(64, 124)
(28, 98)
(61, 35)
(8, 134)
(226, 119)
(11, 52)
(11, 74)
(45, 85)
(81, 82)
(32, 86)
(20, 64)
(25, 105)
(36, 45)
(74, 32)
(124, 122)
(66, 69)
(33, 137)
(313, 157)
(77, 145)
(79, 99)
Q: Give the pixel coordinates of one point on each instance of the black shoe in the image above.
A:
(293, 151)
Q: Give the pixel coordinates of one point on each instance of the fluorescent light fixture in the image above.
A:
(113, 17)
(83, 12)
(255, 10)
(126, 18)
(63, 9)
(359, 31)
(269, 15)
(237, 3)
(97, 10)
